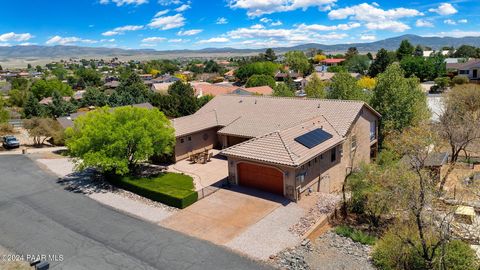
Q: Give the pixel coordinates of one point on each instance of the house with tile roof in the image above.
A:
(287, 146)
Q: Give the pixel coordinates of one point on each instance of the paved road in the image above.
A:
(38, 217)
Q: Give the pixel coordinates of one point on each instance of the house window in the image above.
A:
(464, 71)
(333, 156)
(373, 130)
(189, 138)
(182, 140)
(354, 143)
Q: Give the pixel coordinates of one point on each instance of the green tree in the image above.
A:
(297, 61)
(418, 51)
(4, 114)
(59, 106)
(93, 96)
(257, 68)
(399, 100)
(17, 97)
(32, 108)
(466, 51)
(345, 87)
(382, 61)
(90, 76)
(115, 141)
(358, 64)
(131, 90)
(42, 129)
(283, 90)
(60, 73)
(20, 83)
(315, 88)
(351, 52)
(405, 49)
(45, 88)
(185, 94)
(260, 80)
(270, 55)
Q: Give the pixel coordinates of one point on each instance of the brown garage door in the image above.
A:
(260, 177)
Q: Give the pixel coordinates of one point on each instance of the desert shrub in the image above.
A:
(355, 235)
(460, 79)
(458, 256)
(6, 129)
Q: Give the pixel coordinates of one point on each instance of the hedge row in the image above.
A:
(176, 201)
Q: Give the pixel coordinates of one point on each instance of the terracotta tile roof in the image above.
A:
(262, 90)
(257, 115)
(212, 89)
(280, 147)
(193, 123)
(332, 60)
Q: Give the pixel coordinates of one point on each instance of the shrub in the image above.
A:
(169, 188)
(355, 235)
(460, 79)
(459, 256)
(6, 129)
(260, 80)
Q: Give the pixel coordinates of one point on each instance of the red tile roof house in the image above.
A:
(332, 61)
(286, 146)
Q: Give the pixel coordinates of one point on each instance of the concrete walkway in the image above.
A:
(204, 175)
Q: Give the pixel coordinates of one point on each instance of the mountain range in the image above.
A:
(37, 51)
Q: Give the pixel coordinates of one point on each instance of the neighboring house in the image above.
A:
(282, 76)
(332, 61)
(204, 88)
(327, 76)
(67, 121)
(287, 146)
(77, 96)
(433, 162)
(429, 53)
(111, 85)
(161, 88)
(470, 68)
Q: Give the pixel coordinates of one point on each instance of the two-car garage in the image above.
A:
(260, 177)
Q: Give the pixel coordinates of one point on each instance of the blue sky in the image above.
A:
(194, 24)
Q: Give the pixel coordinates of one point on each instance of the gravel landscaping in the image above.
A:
(92, 185)
(328, 252)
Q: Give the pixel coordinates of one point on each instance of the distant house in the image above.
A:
(332, 61)
(111, 84)
(204, 88)
(161, 88)
(429, 53)
(77, 96)
(469, 68)
(146, 77)
(282, 76)
(327, 76)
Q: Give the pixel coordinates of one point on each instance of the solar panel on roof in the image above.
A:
(313, 138)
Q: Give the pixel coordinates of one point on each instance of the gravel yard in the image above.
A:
(7, 262)
(328, 252)
(88, 183)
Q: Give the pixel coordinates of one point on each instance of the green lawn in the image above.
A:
(169, 188)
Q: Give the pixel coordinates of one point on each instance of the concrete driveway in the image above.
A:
(37, 216)
(249, 221)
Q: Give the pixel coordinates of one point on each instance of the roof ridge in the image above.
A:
(297, 98)
(290, 153)
(326, 119)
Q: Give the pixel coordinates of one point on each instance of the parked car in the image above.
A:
(10, 142)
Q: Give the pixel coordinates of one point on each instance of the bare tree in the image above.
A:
(459, 124)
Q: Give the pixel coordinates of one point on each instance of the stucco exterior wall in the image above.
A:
(195, 142)
(321, 173)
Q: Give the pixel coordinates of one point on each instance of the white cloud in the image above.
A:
(265, 20)
(463, 21)
(178, 40)
(5, 44)
(444, 9)
(15, 37)
(121, 30)
(153, 39)
(458, 33)
(394, 26)
(368, 37)
(120, 3)
(222, 20)
(423, 23)
(257, 26)
(190, 32)
(162, 12)
(451, 22)
(370, 13)
(214, 40)
(277, 23)
(182, 8)
(107, 40)
(168, 22)
(320, 27)
(257, 8)
(169, 2)
(68, 40)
